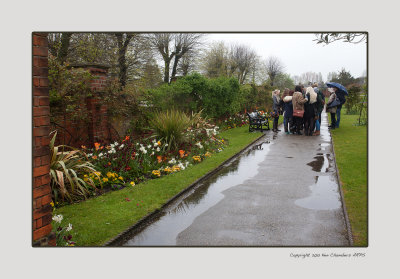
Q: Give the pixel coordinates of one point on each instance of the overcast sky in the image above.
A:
(300, 54)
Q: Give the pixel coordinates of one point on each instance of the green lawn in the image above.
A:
(350, 143)
(98, 220)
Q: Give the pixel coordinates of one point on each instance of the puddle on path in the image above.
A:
(324, 195)
(324, 192)
(321, 163)
(180, 215)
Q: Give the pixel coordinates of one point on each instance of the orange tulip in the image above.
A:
(97, 145)
(181, 153)
(159, 158)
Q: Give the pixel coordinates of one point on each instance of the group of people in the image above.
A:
(302, 108)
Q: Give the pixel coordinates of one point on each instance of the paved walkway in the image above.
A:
(283, 192)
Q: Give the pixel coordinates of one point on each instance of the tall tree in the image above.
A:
(123, 40)
(242, 61)
(344, 78)
(59, 44)
(184, 44)
(273, 67)
(215, 60)
(172, 47)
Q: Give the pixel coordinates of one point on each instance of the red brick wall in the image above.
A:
(98, 128)
(42, 210)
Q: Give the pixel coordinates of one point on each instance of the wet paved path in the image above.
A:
(281, 192)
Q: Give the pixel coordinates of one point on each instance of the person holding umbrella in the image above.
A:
(340, 92)
(331, 106)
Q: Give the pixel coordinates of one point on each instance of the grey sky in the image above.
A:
(300, 54)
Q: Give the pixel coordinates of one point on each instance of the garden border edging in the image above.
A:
(346, 216)
(138, 226)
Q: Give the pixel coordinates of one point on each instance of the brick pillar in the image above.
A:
(42, 210)
(98, 127)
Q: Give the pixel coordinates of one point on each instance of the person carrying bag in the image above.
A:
(331, 107)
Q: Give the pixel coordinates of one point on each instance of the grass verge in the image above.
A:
(350, 143)
(98, 220)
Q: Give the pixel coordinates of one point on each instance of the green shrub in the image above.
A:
(221, 97)
(67, 166)
(170, 126)
(353, 99)
(183, 94)
(216, 97)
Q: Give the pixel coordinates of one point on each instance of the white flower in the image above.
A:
(172, 161)
(143, 149)
(152, 153)
(112, 145)
(199, 145)
(121, 146)
(154, 141)
(137, 143)
(115, 143)
(155, 144)
(158, 149)
(69, 228)
(149, 146)
(100, 154)
(181, 166)
(90, 155)
(166, 144)
(57, 218)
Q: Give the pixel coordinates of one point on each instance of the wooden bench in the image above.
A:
(257, 122)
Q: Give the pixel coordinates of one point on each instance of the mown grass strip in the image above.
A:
(350, 143)
(98, 220)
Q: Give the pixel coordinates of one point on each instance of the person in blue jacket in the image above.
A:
(342, 99)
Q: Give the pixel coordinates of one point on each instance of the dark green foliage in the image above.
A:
(344, 78)
(216, 97)
(222, 97)
(353, 100)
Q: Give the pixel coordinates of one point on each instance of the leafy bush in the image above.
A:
(216, 97)
(183, 95)
(170, 127)
(221, 97)
(66, 168)
(68, 89)
(353, 99)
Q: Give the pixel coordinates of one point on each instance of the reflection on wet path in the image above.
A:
(324, 195)
(180, 215)
(324, 192)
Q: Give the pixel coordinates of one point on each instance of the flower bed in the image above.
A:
(130, 161)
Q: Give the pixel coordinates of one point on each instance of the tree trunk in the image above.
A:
(174, 67)
(122, 48)
(166, 70)
(63, 51)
